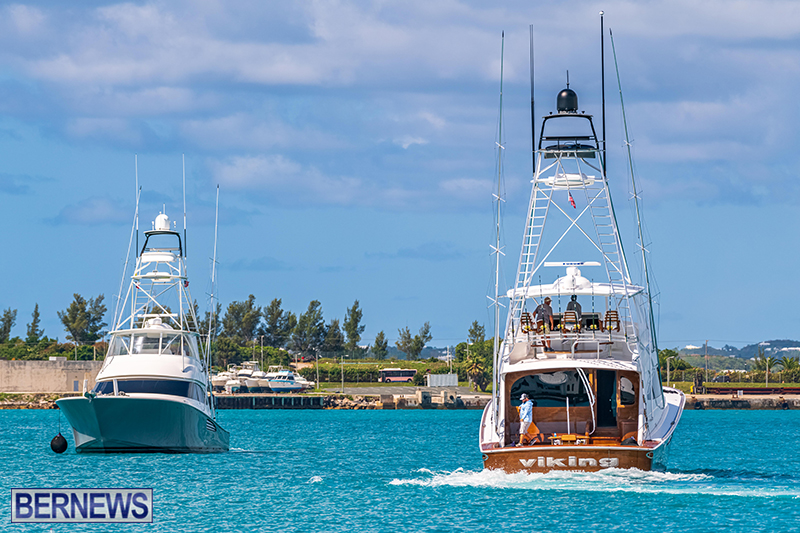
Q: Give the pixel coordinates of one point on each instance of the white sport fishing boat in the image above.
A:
(153, 393)
(593, 380)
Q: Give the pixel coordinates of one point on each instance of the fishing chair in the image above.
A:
(526, 322)
(611, 321)
(571, 317)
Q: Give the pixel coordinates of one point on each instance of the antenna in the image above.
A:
(117, 312)
(603, 88)
(183, 160)
(497, 251)
(567, 78)
(138, 189)
(638, 215)
(212, 312)
(533, 114)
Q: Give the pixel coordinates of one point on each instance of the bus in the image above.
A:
(392, 375)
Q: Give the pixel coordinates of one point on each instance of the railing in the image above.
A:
(569, 343)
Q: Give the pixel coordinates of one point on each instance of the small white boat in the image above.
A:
(218, 381)
(250, 374)
(306, 384)
(283, 381)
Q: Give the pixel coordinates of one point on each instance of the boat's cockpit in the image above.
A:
(160, 342)
(125, 387)
(574, 405)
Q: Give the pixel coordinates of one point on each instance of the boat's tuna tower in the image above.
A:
(570, 198)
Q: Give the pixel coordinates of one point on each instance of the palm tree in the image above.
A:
(765, 363)
(789, 363)
(476, 371)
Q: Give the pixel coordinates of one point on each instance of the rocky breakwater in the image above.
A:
(30, 400)
(354, 402)
(767, 402)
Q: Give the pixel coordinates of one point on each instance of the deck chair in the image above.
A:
(526, 322)
(570, 319)
(611, 321)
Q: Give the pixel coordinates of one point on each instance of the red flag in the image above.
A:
(572, 201)
(186, 283)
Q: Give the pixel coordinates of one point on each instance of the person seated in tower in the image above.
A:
(573, 305)
(543, 315)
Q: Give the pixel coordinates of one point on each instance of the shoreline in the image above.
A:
(416, 399)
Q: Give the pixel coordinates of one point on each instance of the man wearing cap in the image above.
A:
(525, 418)
(573, 305)
(544, 314)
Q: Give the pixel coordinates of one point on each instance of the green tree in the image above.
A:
(380, 346)
(676, 363)
(34, 331)
(412, 346)
(310, 330)
(477, 371)
(212, 323)
(7, 322)
(278, 324)
(476, 333)
(83, 319)
(227, 352)
(763, 362)
(353, 327)
(334, 340)
(242, 320)
(789, 363)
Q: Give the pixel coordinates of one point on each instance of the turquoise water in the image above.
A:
(355, 471)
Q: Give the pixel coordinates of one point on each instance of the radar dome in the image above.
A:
(567, 101)
(162, 222)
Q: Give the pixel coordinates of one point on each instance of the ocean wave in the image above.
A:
(315, 479)
(608, 480)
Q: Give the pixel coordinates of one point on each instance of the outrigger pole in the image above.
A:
(212, 313)
(183, 160)
(496, 247)
(638, 215)
(533, 114)
(128, 255)
(603, 87)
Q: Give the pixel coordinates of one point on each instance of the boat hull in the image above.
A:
(122, 424)
(576, 458)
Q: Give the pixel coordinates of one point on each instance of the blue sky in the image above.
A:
(354, 145)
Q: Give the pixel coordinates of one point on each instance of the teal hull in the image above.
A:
(120, 424)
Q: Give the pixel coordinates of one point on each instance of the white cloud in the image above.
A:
(247, 131)
(467, 188)
(92, 211)
(104, 129)
(278, 174)
(26, 19)
(407, 140)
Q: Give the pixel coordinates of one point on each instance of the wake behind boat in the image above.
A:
(153, 393)
(576, 385)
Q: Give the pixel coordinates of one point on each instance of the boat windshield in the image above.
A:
(186, 389)
(551, 389)
(167, 343)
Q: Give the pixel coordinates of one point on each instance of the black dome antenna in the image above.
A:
(567, 101)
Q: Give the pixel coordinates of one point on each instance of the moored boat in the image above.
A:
(153, 392)
(589, 379)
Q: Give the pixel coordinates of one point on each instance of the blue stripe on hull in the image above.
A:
(115, 424)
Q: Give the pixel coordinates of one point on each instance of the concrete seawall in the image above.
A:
(751, 403)
(47, 376)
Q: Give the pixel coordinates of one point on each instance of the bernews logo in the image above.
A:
(81, 505)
